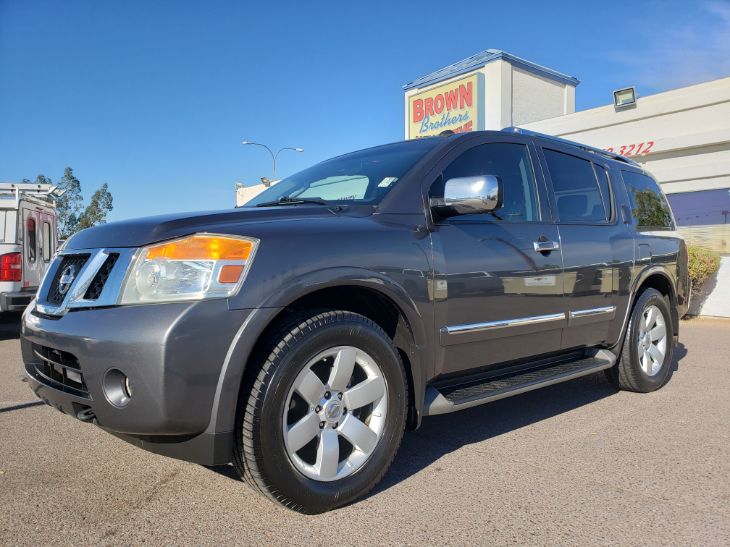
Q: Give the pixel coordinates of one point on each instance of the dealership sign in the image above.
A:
(449, 107)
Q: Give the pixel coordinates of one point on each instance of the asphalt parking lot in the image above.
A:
(577, 463)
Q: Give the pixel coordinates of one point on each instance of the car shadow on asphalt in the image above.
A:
(441, 435)
(9, 325)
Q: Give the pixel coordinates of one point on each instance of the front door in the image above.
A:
(497, 298)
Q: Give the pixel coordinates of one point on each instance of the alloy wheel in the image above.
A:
(335, 413)
(652, 340)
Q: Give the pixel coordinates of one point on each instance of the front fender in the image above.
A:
(358, 277)
(239, 353)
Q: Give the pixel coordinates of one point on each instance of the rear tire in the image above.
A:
(645, 363)
(305, 449)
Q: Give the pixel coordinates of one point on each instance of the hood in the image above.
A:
(144, 231)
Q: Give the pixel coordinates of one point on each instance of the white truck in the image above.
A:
(27, 240)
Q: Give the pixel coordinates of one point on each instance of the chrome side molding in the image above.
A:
(591, 315)
(490, 325)
(608, 310)
(450, 333)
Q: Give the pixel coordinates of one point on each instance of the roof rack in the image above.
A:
(592, 149)
(28, 187)
(43, 192)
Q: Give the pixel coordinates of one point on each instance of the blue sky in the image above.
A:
(155, 97)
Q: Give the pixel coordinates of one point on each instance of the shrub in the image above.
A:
(702, 264)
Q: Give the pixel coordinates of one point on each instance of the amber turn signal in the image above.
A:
(230, 273)
(202, 247)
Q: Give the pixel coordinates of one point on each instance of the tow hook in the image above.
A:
(86, 415)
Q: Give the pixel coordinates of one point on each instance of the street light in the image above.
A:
(273, 155)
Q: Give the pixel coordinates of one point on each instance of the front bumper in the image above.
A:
(172, 355)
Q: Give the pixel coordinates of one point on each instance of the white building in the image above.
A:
(681, 136)
(490, 90)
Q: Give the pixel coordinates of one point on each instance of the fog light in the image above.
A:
(116, 388)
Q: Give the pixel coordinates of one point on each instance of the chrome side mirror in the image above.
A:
(469, 195)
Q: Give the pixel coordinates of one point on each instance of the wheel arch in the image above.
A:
(654, 277)
(372, 295)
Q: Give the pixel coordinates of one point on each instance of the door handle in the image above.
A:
(546, 246)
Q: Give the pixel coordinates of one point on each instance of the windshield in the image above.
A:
(359, 177)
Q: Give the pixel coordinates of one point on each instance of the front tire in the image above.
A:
(325, 415)
(645, 363)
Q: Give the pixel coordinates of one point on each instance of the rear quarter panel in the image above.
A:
(656, 252)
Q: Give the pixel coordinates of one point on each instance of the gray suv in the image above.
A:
(298, 336)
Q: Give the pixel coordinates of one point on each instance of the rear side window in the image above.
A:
(577, 193)
(47, 242)
(511, 163)
(32, 239)
(649, 205)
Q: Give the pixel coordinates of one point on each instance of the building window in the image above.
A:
(31, 239)
(47, 242)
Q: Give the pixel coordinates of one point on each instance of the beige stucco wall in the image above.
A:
(535, 98)
(690, 128)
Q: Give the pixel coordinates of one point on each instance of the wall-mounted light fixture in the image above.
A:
(624, 98)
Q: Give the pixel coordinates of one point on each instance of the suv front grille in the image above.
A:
(56, 296)
(59, 369)
(97, 284)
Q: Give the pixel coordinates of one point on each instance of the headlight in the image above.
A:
(192, 268)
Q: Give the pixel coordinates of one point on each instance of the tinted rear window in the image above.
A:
(577, 194)
(649, 205)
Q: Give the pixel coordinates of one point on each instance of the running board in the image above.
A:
(466, 395)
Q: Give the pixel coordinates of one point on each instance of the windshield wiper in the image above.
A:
(288, 200)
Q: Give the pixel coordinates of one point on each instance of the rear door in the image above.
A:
(597, 248)
(498, 298)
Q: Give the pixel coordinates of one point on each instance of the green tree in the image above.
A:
(69, 204)
(71, 215)
(40, 179)
(95, 213)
